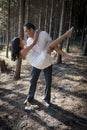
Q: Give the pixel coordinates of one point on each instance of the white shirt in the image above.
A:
(38, 56)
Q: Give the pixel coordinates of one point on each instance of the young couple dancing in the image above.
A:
(37, 51)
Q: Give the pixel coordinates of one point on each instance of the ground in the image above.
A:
(68, 110)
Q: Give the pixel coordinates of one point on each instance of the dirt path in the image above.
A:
(68, 110)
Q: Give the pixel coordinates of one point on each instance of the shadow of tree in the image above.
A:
(77, 93)
(66, 117)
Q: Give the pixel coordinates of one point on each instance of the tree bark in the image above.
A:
(85, 47)
(8, 29)
(50, 26)
(70, 23)
(27, 4)
(3, 66)
(40, 15)
(83, 31)
(45, 25)
(21, 34)
(59, 59)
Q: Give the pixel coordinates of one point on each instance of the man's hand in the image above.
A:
(50, 50)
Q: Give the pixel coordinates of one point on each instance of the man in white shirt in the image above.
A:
(43, 41)
(38, 56)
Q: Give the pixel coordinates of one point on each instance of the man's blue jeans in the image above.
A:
(33, 83)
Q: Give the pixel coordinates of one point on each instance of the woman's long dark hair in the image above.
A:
(15, 49)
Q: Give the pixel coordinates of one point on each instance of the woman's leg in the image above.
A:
(61, 38)
(59, 51)
(65, 55)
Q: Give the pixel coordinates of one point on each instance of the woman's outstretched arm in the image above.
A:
(24, 51)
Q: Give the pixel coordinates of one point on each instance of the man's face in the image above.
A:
(26, 31)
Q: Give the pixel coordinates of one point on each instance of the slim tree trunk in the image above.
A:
(70, 23)
(50, 26)
(45, 25)
(21, 34)
(84, 37)
(40, 15)
(85, 47)
(56, 21)
(27, 4)
(83, 31)
(59, 60)
(14, 23)
(8, 29)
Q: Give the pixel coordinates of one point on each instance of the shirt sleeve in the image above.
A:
(29, 41)
(48, 38)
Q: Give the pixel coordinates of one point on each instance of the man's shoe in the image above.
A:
(28, 108)
(31, 107)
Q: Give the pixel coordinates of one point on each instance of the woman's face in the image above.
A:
(22, 43)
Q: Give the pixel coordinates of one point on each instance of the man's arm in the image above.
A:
(36, 35)
(24, 51)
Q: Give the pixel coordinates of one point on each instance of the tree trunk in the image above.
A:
(27, 4)
(59, 59)
(50, 26)
(45, 25)
(8, 29)
(3, 66)
(56, 20)
(21, 34)
(83, 31)
(70, 23)
(40, 15)
(85, 47)
(14, 20)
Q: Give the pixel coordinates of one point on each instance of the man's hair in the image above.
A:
(29, 26)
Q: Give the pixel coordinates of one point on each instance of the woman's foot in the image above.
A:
(69, 32)
(67, 57)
